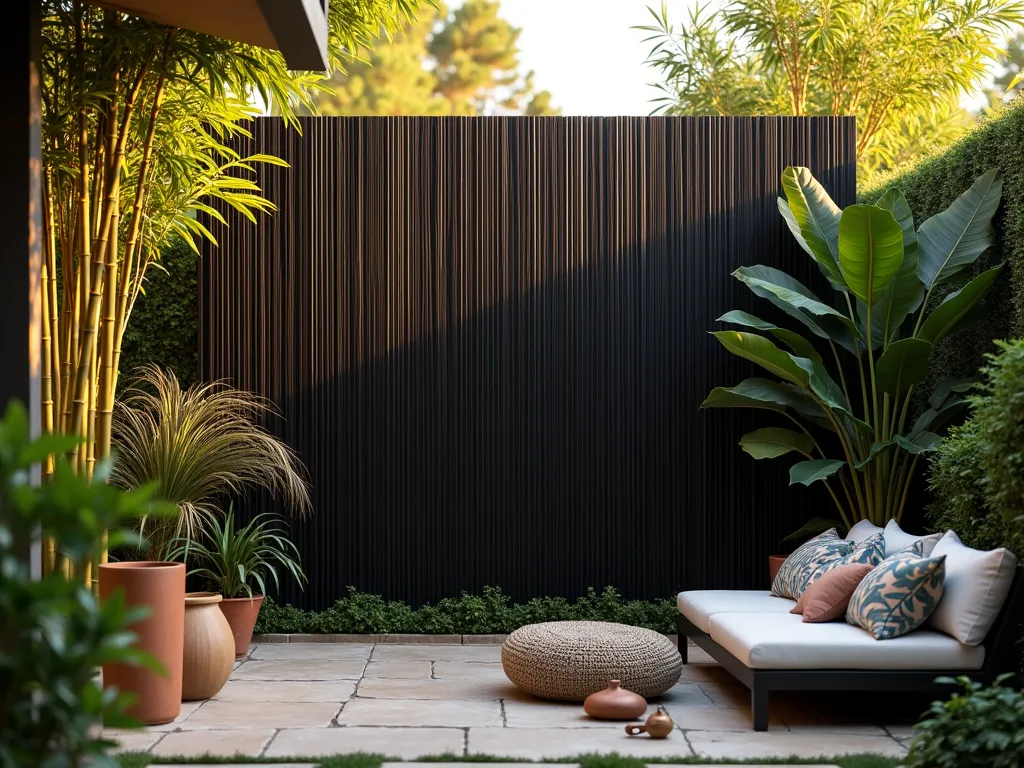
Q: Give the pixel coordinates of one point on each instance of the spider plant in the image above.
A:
(232, 559)
(194, 446)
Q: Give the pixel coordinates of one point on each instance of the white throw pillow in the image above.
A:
(896, 540)
(865, 529)
(976, 586)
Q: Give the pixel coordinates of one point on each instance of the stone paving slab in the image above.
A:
(289, 690)
(242, 741)
(452, 690)
(551, 714)
(406, 743)
(261, 714)
(451, 714)
(300, 670)
(437, 653)
(310, 652)
(751, 744)
(408, 670)
(470, 670)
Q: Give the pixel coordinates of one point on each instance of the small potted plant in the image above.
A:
(234, 560)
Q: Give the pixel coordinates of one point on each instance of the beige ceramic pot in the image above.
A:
(159, 587)
(241, 613)
(209, 647)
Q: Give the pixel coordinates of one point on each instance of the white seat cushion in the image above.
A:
(698, 606)
(782, 641)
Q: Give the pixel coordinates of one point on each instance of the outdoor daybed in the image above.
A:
(753, 635)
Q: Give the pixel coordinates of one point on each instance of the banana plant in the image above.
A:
(851, 408)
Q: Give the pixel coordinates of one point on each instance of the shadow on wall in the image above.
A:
(488, 389)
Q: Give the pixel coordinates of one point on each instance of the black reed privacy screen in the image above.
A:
(488, 341)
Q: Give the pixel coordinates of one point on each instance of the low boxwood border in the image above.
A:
(490, 613)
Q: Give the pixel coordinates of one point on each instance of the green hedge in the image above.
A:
(164, 325)
(931, 186)
(490, 613)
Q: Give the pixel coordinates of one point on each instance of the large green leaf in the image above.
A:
(818, 219)
(870, 250)
(937, 418)
(950, 385)
(800, 346)
(807, 472)
(956, 306)
(763, 393)
(759, 350)
(904, 364)
(799, 302)
(876, 449)
(906, 292)
(951, 240)
(771, 442)
(923, 442)
(823, 385)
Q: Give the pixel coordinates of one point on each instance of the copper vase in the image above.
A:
(241, 613)
(160, 587)
(615, 703)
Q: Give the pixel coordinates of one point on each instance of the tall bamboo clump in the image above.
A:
(136, 117)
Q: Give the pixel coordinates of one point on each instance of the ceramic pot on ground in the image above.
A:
(241, 613)
(160, 587)
(658, 726)
(615, 703)
(209, 651)
(774, 563)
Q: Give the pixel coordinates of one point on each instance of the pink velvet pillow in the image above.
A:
(827, 598)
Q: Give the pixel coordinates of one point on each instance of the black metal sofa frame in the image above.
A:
(998, 645)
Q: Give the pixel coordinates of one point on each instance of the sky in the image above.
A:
(585, 53)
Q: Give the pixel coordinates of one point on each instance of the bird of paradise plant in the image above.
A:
(852, 434)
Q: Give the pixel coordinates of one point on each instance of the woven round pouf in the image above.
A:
(569, 660)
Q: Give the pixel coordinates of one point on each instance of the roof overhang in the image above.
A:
(297, 28)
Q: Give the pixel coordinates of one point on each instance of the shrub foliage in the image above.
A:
(930, 187)
(980, 727)
(493, 612)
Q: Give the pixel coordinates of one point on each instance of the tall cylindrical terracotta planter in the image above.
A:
(774, 564)
(209, 647)
(160, 587)
(241, 613)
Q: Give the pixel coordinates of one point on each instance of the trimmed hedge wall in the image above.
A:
(164, 325)
(935, 183)
(488, 614)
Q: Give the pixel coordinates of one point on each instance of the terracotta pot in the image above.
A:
(160, 587)
(615, 703)
(658, 726)
(241, 613)
(209, 647)
(774, 563)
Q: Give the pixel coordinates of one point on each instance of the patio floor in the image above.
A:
(409, 701)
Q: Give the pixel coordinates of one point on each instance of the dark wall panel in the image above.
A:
(488, 341)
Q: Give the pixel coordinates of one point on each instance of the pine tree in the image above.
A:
(464, 62)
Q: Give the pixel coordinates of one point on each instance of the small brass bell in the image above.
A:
(658, 726)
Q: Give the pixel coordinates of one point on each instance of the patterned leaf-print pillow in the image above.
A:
(898, 596)
(871, 551)
(796, 571)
